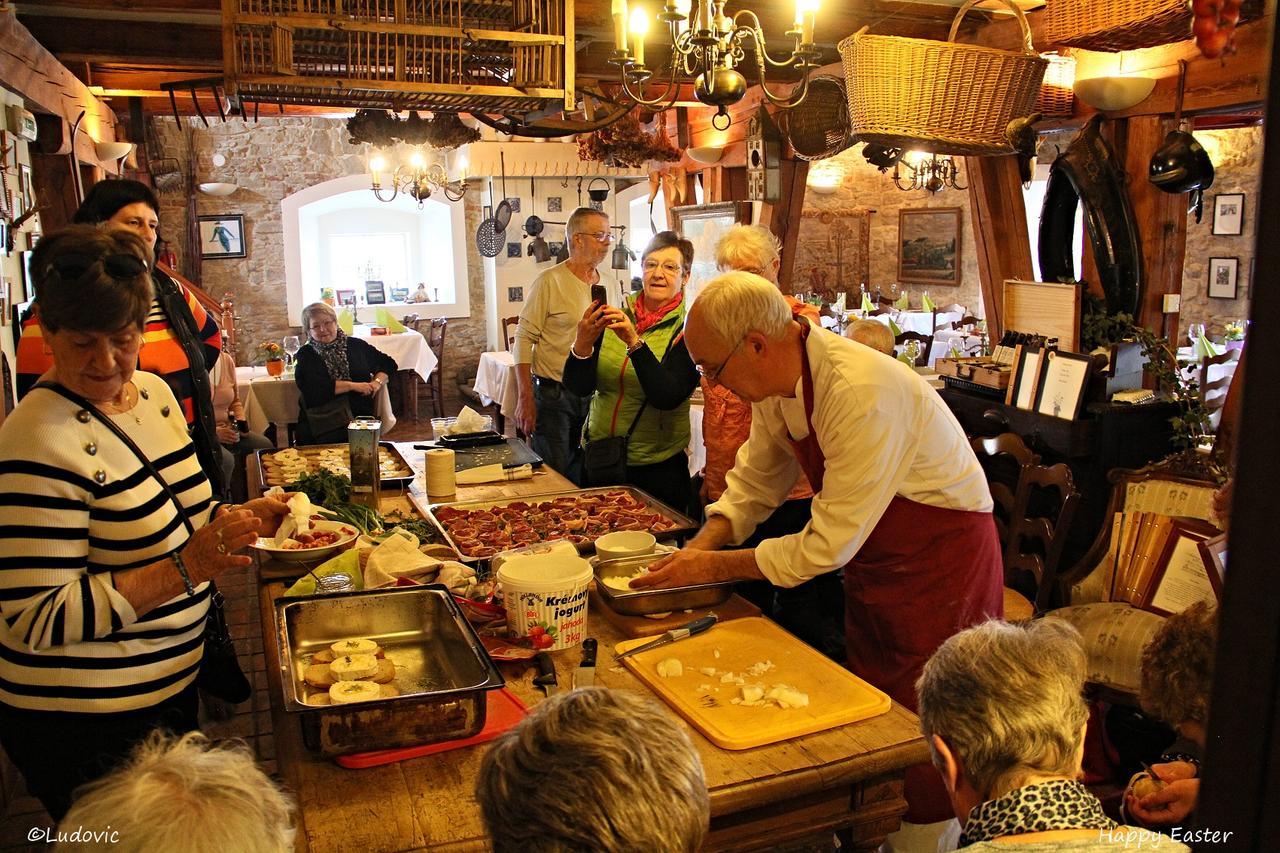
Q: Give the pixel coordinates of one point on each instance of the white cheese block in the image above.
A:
(353, 667)
(346, 692)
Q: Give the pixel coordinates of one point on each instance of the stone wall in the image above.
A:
(269, 160)
(863, 186)
(1237, 160)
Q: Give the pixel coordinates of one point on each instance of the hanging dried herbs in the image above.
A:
(381, 128)
(626, 143)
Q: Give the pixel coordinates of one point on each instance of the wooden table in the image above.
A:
(848, 777)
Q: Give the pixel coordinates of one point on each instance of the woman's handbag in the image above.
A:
(329, 417)
(604, 461)
(220, 673)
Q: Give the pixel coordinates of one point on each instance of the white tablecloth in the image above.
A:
(274, 400)
(968, 343)
(496, 381)
(921, 322)
(409, 349)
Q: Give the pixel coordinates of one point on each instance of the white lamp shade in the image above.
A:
(217, 188)
(112, 151)
(1110, 94)
(706, 154)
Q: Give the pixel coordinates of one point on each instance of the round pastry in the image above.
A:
(346, 692)
(319, 675)
(386, 672)
(353, 667)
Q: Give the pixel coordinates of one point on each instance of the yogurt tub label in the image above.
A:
(551, 621)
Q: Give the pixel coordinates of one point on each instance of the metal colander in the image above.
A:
(819, 128)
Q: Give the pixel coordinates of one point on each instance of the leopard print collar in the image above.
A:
(1060, 804)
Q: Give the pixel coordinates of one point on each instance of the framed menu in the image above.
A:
(1026, 376)
(1063, 379)
(1182, 577)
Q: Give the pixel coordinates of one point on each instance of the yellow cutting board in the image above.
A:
(836, 696)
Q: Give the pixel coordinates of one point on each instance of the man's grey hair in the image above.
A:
(578, 222)
(317, 309)
(182, 793)
(736, 303)
(748, 247)
(594, 769)
(1007, 701)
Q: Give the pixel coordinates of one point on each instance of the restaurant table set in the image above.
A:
(467, 668)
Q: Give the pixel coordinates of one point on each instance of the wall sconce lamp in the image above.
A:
(825, 177)
(708, 155)
(113, 152)
(218, 188)
(1111, 94)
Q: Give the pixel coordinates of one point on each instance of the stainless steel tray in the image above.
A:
(642, 602)
(398, 482)
(684, 525)
(442, 669)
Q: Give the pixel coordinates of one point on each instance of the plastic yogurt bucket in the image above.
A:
(546, 599)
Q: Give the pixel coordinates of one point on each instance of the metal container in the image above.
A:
(685, 526)
(641, 602)
(336, 582)
(362, 439)
(442, 670)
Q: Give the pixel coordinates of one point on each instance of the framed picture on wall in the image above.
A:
(929, 245)
(1228, 214)
(222, 236)
(346, 297)
(24, 183)
(1223, 277)
(704, 225)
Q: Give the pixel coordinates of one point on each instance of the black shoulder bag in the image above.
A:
(604, 461)
(220, 673)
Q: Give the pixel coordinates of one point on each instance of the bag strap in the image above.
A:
(128, 442)
(635, 422)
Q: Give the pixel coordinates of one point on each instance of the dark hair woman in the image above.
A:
(183, 341)
(108, 548)
(633, 362)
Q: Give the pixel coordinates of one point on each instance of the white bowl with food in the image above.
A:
(321, 540)
(625, 543)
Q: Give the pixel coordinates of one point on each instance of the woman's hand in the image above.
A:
(1173, 803)
(269, 512)
(590, 328)
(211, 550)
(621, 325)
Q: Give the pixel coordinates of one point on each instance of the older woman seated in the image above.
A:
(1001, 707)
(337, 375)
(594, 769)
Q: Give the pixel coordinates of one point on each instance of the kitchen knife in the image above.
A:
(697, 626)
(585, 674)
(546, 677)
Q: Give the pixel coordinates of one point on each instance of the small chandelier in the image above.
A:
(708, 45)
(929, 172)
(416, 176)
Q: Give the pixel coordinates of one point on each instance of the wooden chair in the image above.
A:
(1003, 458)
(925, 341)
(509, 331)
(1038, 534)
(965, 322)
(1213, 392)
(435, 340)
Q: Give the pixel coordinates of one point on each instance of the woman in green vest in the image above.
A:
(633, 362)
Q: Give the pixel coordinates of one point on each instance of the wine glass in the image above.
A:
(1195, 331)
(292, 343)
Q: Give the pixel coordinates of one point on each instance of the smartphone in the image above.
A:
(598, 294)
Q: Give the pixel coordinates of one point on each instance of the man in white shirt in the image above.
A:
(901, 502)
(549, 413)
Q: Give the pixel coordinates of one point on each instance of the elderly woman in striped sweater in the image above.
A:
(107, 548)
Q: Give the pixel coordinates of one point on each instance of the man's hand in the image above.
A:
(685, 568)
(526, 413)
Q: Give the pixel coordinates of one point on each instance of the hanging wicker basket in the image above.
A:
(820, 129)
(1115, 25)
(1056, 97)
(943, 97)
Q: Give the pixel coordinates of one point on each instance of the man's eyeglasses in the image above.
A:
(668, 268)
(598, 236)
(713, 375)
(72, 267)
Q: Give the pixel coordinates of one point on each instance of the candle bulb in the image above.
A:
(620, 25)
(704, 14)
(683, 7)
(376, 165)
(806, 19)
(639, 26)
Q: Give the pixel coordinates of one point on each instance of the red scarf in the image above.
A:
(646, 319)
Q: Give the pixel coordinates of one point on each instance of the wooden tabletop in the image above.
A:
(848, 776)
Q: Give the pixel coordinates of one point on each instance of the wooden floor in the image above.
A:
(251, 723)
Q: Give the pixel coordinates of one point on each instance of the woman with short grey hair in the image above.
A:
(1002, 709)
(594, 769)
(337, 375)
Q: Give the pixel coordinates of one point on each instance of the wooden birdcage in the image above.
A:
(504, 56)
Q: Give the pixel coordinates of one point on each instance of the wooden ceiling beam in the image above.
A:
(106, 7)
(84, 40)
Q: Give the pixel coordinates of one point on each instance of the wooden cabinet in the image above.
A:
(1107, 436)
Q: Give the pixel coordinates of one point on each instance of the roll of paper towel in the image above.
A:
(442, 481)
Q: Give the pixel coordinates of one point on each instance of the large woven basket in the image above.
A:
(943, 97)
(1115, 25)
(821, 129)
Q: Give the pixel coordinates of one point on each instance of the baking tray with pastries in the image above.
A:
(350, 670)
(282, 467)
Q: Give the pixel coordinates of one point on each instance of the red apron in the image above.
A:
(924, 574)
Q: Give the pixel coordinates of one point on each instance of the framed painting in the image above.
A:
(222, 236)
(704, 225)
(1228, 214)
(929, 245)
(1223, 277)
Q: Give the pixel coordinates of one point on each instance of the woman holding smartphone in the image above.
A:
(633, 362)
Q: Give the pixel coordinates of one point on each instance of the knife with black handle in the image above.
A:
(585, 674)
(546, 677)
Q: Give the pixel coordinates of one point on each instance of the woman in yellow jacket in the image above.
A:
(633, 362)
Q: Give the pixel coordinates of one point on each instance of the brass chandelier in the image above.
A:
(709, 46)
(416, 177)
(929, 172)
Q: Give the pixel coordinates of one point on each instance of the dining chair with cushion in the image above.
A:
(509, 331)
(925, 341)
(1042, 511)
(1004, 458)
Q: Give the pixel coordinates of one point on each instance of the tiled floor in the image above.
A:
(251, 721)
